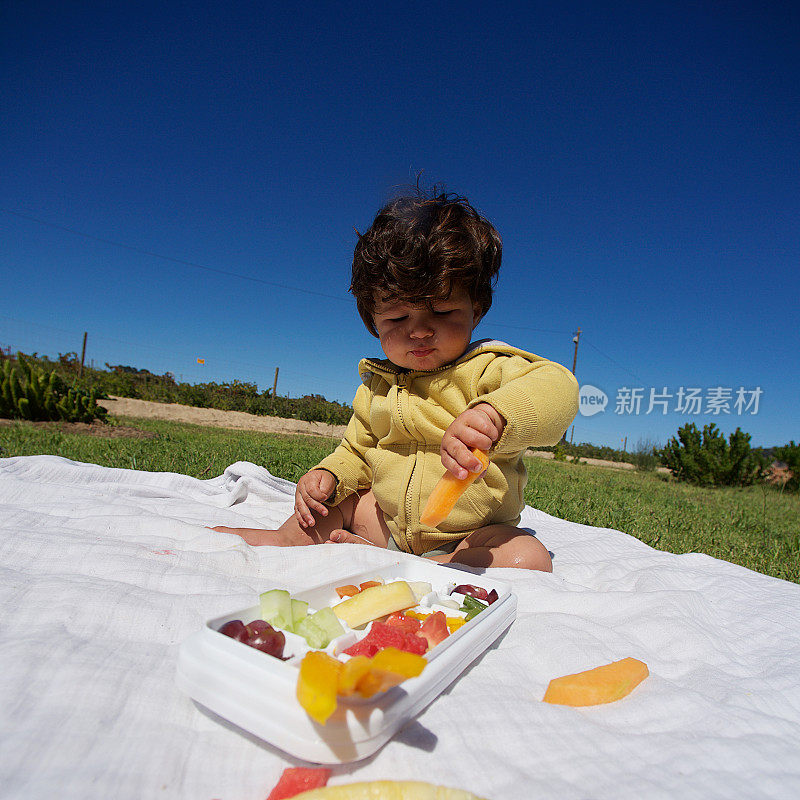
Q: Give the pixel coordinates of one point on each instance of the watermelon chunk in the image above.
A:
(382, 635)
(400, 620)
(434, 629)
(294, 780)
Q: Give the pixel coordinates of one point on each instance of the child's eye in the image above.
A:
(398, 319)
(442, 313)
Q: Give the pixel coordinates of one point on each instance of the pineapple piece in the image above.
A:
(377, 601)
(387, 790)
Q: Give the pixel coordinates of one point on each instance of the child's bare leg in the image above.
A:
(363, 523)
(500, 546)
(291, 533)
(356, 519)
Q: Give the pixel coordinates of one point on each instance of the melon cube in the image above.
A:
(276, 608)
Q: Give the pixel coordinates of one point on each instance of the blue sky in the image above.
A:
(182, 181)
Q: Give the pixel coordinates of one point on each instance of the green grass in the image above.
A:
(196, 450)
(757, 527)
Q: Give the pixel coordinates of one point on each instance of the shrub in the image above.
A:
(28, 392)
(127, 381)
(645, 457)
(790, 455)
(707, 459)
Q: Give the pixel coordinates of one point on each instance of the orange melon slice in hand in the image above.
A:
(446, 493)
(603, 684)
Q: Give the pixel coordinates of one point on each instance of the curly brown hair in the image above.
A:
(420, 247)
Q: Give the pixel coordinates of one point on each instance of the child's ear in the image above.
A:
(477, 314)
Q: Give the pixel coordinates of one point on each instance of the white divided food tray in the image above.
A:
(257, 692)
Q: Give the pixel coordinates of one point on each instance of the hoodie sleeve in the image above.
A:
(347, 462)
(538, 399)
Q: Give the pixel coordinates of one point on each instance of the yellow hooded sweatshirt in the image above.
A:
(392, 441)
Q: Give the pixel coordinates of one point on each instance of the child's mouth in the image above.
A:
(422, 353)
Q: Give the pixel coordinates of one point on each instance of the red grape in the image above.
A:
(266, 639)
(235, 629)
(473, 591)
(258, 634)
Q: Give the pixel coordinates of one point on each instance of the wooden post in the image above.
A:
(83, 355)
(575, 339)
(275, 383)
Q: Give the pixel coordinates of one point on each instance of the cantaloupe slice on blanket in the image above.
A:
(599, 685)
(387, 790)
(446, 493)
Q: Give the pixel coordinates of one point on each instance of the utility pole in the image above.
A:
(83, 355)
(575, 339)
(275, 383)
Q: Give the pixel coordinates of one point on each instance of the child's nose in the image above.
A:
(421, 330)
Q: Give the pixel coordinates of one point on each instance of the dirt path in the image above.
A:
(237, 420)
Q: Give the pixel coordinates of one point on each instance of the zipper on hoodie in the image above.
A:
(401, 387)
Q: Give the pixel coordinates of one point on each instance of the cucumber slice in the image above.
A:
(312, 633)
(299, 612)
(276, 608)
(329, 623)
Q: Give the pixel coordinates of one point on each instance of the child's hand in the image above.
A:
(314, 487)
(480, 426)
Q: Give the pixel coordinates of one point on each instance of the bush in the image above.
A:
(28, 392)
(585, 450)
(646, 456)
(790, 455)
(708, 460)
(127, 381)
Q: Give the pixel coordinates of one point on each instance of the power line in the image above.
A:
(228, 273)
(181, 261)
(523, 328)
(614, 361)
(171, 352)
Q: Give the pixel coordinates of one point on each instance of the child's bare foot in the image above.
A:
(348, 537)
(258, 536)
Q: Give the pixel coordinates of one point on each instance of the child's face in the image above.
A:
(414, 337)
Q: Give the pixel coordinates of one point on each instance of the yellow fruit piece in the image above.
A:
(446, 493)
(387, 790)
(317, 684)
(374, 602)
(377, 680)
(409, 665)
(599, 685)
(388, 667)
(352, 672)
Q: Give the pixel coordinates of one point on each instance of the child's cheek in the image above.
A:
(392, 338)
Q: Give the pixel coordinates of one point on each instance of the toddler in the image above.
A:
(422, 278)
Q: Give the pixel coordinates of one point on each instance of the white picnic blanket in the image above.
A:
(106, 571)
